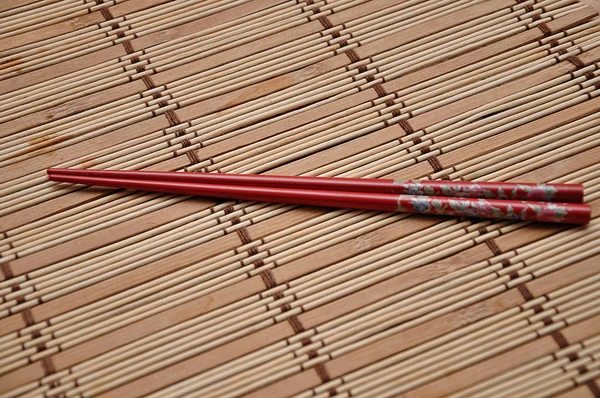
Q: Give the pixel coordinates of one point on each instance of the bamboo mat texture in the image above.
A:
(116, 293)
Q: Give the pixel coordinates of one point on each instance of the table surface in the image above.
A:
(115, 293)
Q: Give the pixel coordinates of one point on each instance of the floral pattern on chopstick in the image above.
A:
(550, 212)
(538, 192)
(541, 192)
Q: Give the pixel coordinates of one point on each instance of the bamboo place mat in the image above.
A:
(113, 293)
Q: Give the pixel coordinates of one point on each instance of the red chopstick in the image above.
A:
(473, 207)
(571, 193)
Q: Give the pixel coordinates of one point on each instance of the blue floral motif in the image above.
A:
(421, 204)
(414, 189)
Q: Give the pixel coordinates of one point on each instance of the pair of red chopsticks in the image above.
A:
(535, 202)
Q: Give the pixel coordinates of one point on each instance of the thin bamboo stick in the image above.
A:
(283, 246)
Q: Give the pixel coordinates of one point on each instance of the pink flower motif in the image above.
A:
(537, 194)
(483, 208)
(551, 212)
(474, 190)
(541, 193)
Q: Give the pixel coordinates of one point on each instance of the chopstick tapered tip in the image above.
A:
(55, 174)
(53, 177)
(56, 170)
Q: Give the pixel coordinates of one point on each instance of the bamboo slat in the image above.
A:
(113, 293)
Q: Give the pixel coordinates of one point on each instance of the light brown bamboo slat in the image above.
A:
(116, 293)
